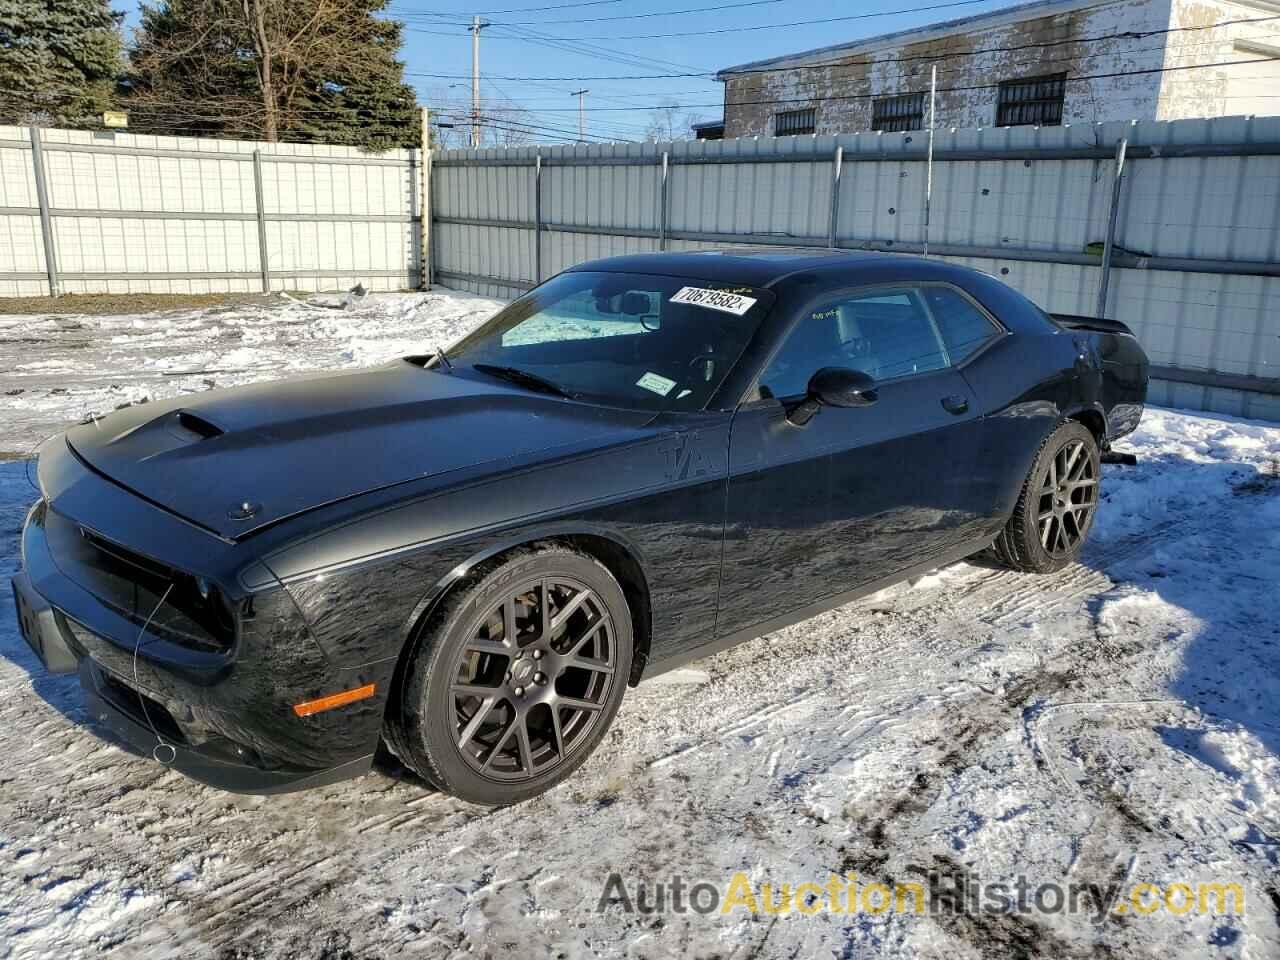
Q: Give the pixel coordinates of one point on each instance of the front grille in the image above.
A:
(145, 567)
(133, 585)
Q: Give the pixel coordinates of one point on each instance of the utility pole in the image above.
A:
(424, 203)
(582, 119)
(928, 181)
(476, 26)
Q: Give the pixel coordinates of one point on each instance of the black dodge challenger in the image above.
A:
(469, 555)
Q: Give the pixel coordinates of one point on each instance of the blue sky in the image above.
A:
(528, 40)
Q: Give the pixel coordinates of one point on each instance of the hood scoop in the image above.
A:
(196, 427)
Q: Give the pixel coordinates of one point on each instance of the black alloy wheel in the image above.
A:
(1057, 504)
(533, 679)
(517, 677)
(1068, 498)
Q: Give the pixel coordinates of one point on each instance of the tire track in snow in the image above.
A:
(974, 719)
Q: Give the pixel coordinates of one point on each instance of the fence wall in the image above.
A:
(130, 213)
(1195, 268)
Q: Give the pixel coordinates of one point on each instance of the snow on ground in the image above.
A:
(1118, 722)
(57, 369)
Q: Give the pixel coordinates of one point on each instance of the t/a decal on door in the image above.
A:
(685, 458)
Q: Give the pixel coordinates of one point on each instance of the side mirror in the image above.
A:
(833, 387)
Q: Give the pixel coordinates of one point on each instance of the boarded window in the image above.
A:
(1033, 101)
(791, 123)
(904, 112)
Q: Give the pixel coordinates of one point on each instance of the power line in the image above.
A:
(763, 26)
(953, 89)
(174, 118)
(959, 89)
(604, 124)
(623, 129)
(565, 136)
(844, 61)
(512, 123)
(1048, 62)
(145, 110)
(588, 50)
(594, 51)
(558, 6)
(1037, 45)
(644, 16)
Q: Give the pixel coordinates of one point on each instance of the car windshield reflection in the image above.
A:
(621, 339)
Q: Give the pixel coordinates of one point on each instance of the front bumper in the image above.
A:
(146, 727)
(111, 708)
(223, 718)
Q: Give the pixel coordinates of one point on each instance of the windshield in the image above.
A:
(622, 339)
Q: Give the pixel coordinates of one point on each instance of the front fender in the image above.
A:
(509, 541)
(364, 584)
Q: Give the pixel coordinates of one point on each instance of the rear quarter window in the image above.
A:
(964, 327)
(1006, 304)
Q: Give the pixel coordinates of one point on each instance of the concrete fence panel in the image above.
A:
(84, 212)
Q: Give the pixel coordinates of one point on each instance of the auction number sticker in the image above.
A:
(734, 303)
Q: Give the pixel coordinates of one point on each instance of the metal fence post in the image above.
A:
(837, 162)
(262, 222)
(537, 218)
(662, 204)
(1112, 215)
(46, 221)
(424, 214)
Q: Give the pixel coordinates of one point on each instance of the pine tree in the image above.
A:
(312, 70)
(59, 61)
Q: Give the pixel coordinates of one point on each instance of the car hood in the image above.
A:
(234, 461)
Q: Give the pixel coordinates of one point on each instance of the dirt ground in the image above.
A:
(114, 304)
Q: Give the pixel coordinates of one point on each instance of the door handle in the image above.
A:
(955, 404)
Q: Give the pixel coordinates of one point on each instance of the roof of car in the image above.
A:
(759, 268)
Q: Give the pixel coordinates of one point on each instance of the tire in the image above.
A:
(1054, 513)
(495, 719)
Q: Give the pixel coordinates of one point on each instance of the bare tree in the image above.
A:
(503, 123)
(510, 124)
(670, 121)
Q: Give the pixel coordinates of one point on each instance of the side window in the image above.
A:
(884, 333)
(963, 326)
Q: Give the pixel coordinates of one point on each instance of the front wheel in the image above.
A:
(517, 678)
(1057, 504)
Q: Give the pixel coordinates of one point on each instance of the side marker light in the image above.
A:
(308, 707)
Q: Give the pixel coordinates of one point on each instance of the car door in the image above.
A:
(858, 494)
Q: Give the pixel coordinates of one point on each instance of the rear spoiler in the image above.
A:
(1099, 324)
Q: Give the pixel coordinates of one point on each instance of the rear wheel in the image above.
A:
(1057, 504)
(517, 678)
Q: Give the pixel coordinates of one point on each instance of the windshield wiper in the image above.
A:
(440, 358)
(525, 379)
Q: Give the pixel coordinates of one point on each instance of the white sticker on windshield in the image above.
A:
(659, 385)
(734, 303)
